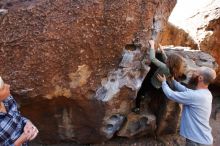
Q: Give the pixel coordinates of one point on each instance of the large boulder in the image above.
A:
(75, 66)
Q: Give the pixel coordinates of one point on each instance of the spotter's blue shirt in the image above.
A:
(197, 106)
(11, 123)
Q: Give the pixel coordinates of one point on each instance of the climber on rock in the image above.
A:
(172, 66)
(197, 106)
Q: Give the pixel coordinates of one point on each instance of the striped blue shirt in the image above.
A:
(197, 106)
(11, 123)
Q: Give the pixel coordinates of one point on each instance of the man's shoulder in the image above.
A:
(10, 103)
(8, 100)
(203, 95)
(204, 92)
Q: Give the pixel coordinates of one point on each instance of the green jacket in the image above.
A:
(162, 68)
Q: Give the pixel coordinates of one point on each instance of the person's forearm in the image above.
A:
(20, 140)
(155, 61)
(153, 57)
(166, 89)
(185, 97)
(152, 54)
(179, 86)
(164, 56)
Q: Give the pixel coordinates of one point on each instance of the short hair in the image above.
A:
(208, 74)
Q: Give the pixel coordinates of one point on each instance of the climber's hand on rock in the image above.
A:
(161, 48)
(161, 78)
(151, 43)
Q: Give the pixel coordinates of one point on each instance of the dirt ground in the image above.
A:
(169, 140)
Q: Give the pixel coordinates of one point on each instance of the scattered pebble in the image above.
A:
(3, 11)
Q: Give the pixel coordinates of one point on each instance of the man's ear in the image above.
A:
(200, 78)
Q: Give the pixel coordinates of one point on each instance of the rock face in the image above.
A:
(204, 29)
(193, 59)
(75, 66)
(159, 115)
(138, 125)
(211, 42)
(173, 35)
